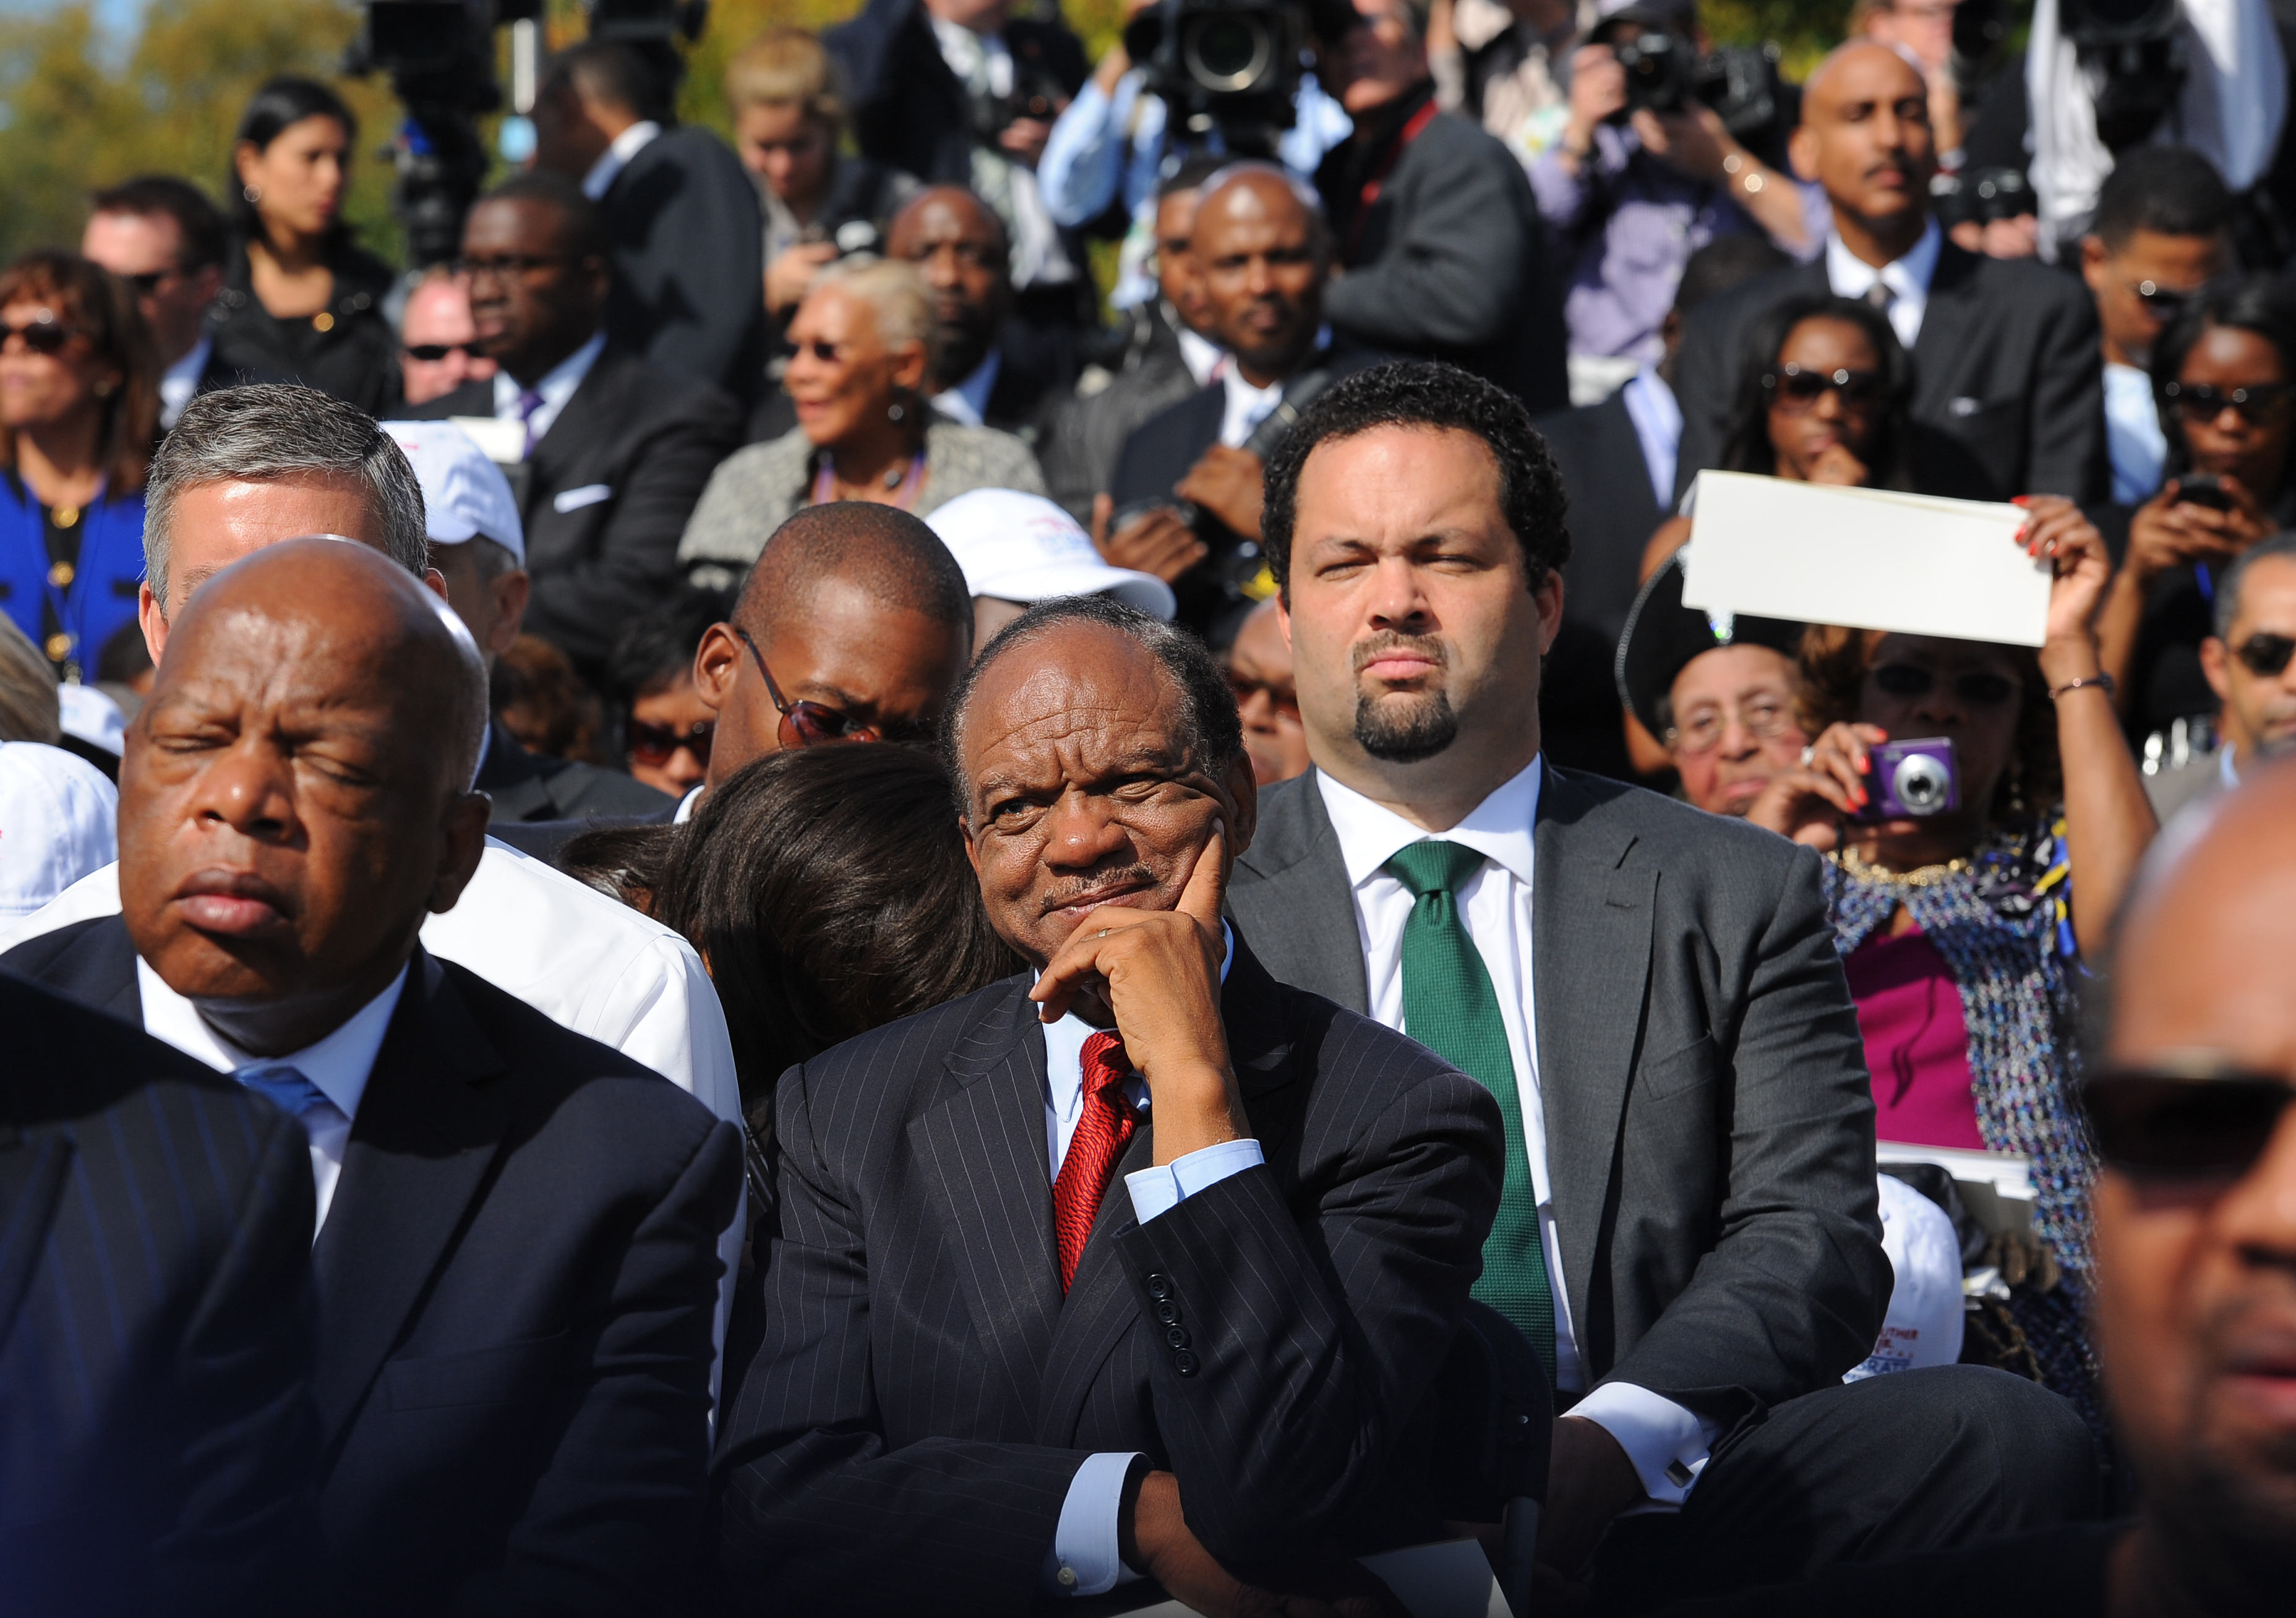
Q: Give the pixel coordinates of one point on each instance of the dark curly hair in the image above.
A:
(1424, 393)
(1748, 448)
(1835, 662)
(2261, 305)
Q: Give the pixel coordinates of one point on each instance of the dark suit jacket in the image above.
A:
(527, 786)
(517, 1281)
(689, 262)
(924, 1396)
(158, 1327)
(1710, 1123)
(1450, 260)
(2008, 388)
(650, 440)
(1079, 435)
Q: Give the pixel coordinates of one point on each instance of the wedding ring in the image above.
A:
(1808, 754)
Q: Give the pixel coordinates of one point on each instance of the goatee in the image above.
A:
(1403, 729)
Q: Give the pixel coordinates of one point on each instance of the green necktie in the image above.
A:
(1449, 1006)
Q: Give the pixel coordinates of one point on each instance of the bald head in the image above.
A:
(878, 551)
(1260, 249)
(1866, 137)
(295, 795)
(958, 244)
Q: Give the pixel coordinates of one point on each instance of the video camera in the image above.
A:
(1231, 68)
(1665, 73)
(1979, 196)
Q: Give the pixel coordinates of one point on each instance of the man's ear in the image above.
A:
(510, 590)
(1243, 790)
(717, 664)
(2214, 668)
(461, 850)
(154, 622)
(1801, 153)
(1548, 595)
(2092, 264)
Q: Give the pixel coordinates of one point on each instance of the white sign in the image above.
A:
(1867, 558)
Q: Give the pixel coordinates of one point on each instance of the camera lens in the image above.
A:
(1922, 783)
(1228, 53)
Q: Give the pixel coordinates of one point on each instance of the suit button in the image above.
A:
(1185, 1363)
(1167, 1313)
(1176, 1337)
(1067, 1576)
(1160, 1287)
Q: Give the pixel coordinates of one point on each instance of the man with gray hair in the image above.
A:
(516, 1260)
(2249, 662)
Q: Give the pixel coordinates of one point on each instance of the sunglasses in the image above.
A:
(2259, 406)
(1284, 699)
(2265, 653)
(431, 353)
(1977, 688)
(654, 745)
(148, 281)
(2167, 302)
(2191, 1124)
(40, 337)
(807, 724)
(1792, 387)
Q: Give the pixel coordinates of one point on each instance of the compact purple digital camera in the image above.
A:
(1911, 779)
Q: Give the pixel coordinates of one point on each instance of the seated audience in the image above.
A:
(678, 218)
(156, 1425)
(1017, 550)
(864, 339)
(828, 890)
(2246, 663)
(162, 236)
(1989, 907)
(301, 302)
(2225, 374)
(1259, 674)
(618, 448)
(438, 343)
(2006, 392)
(1422, 204)
(294, 964)
(80, 408)
(666, 729)
(477, 547)
(2162, 234)
(547, 708)
(978, 378)
(1263, 260)
(1686, 1232)
(1232, 1348)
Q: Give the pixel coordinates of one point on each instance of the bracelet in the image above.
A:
(2103, 682)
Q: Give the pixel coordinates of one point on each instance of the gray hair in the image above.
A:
(30, 711)
(2228, 585)
(259, 434)
(895, 293)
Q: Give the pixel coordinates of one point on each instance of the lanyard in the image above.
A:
(1411, 132)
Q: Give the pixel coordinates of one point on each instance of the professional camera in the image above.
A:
(1037, 92)
(1230, 68)
(1979, 196)
(2139, 47)
(441, 56)
(1665, 73)
(1911, 779)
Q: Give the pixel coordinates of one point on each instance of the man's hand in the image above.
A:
(1023, 140)
(1156, 1538)
(1589, 1481)
(1157, 974)
(790, 274)
(1228, 483)
(1158, 543)
(1692, 142)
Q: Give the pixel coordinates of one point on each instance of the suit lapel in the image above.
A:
(1591, 917)
(574, 437)
(31, 1182)
(983, 1157)
(1303, 907)
(1942, 348)
(427, 1132)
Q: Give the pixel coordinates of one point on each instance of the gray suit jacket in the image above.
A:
(1710, 1123)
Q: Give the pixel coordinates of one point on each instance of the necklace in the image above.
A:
(905, 479)
(1920, 876)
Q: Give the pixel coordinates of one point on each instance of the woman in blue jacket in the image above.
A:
(79, 408)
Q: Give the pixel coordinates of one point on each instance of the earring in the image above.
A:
(104, 390)
(894, 412)
(253, 193)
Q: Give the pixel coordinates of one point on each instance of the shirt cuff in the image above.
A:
(1667, 1444)
(1156, 1191)
(1084, 1559)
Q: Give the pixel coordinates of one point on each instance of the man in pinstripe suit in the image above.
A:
(989, 1372)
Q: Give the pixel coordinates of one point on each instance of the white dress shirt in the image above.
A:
(1084, 1559)
(1198, 353)
(1246, 406)
(1668, 1443)
(179, 381)
(2132, 434)
(338, 1066)
(1907, 278)
(617, 157)
(1657, 416)
(556, 387)
(968, 401)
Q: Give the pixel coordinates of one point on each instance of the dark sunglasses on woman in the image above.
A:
(2195, 1123)
(1980, 688)
(654, 745)
(2260, 406)
(2266, 654)
(39, 336)
(807, 724)
(1793, 388)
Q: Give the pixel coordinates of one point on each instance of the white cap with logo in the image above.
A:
(464, 493)
(1023, 548)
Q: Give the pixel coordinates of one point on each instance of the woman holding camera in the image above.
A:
(2224, 376)
(1963, 930)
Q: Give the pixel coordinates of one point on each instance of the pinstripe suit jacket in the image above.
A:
(909, 1429)
(517, 1280)
(157, 1326)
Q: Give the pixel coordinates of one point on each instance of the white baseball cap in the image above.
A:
(1024, 548)
(58, 820)
(464, 493)
(1923, 1326)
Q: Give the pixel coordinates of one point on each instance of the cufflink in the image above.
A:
(1678, 1475)
(1067, 1577)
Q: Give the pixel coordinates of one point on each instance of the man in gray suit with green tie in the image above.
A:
(1687, 1233)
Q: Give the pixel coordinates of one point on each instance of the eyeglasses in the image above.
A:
(1284, 699)
(1766, 718)
(654, 745)
(2197, 1123)
(39, 336)
(508, 267)
(2266, 654)
(2167, 302)
(1794, 390)
(147, 282)
(807, 724)
(431, 353)
(2260, 406)
(1977, 688)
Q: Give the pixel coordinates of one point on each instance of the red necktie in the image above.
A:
(1102, 1133)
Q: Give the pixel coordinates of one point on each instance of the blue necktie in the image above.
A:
(528, 402)
(284, 1085)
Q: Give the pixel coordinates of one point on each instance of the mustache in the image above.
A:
(1090, 889)
(1430, 646)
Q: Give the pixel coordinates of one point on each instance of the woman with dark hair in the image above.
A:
(1962, 930)
(2224, 376)
(79, 409)
(828, 893)
(666, 729)
(300, 300)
